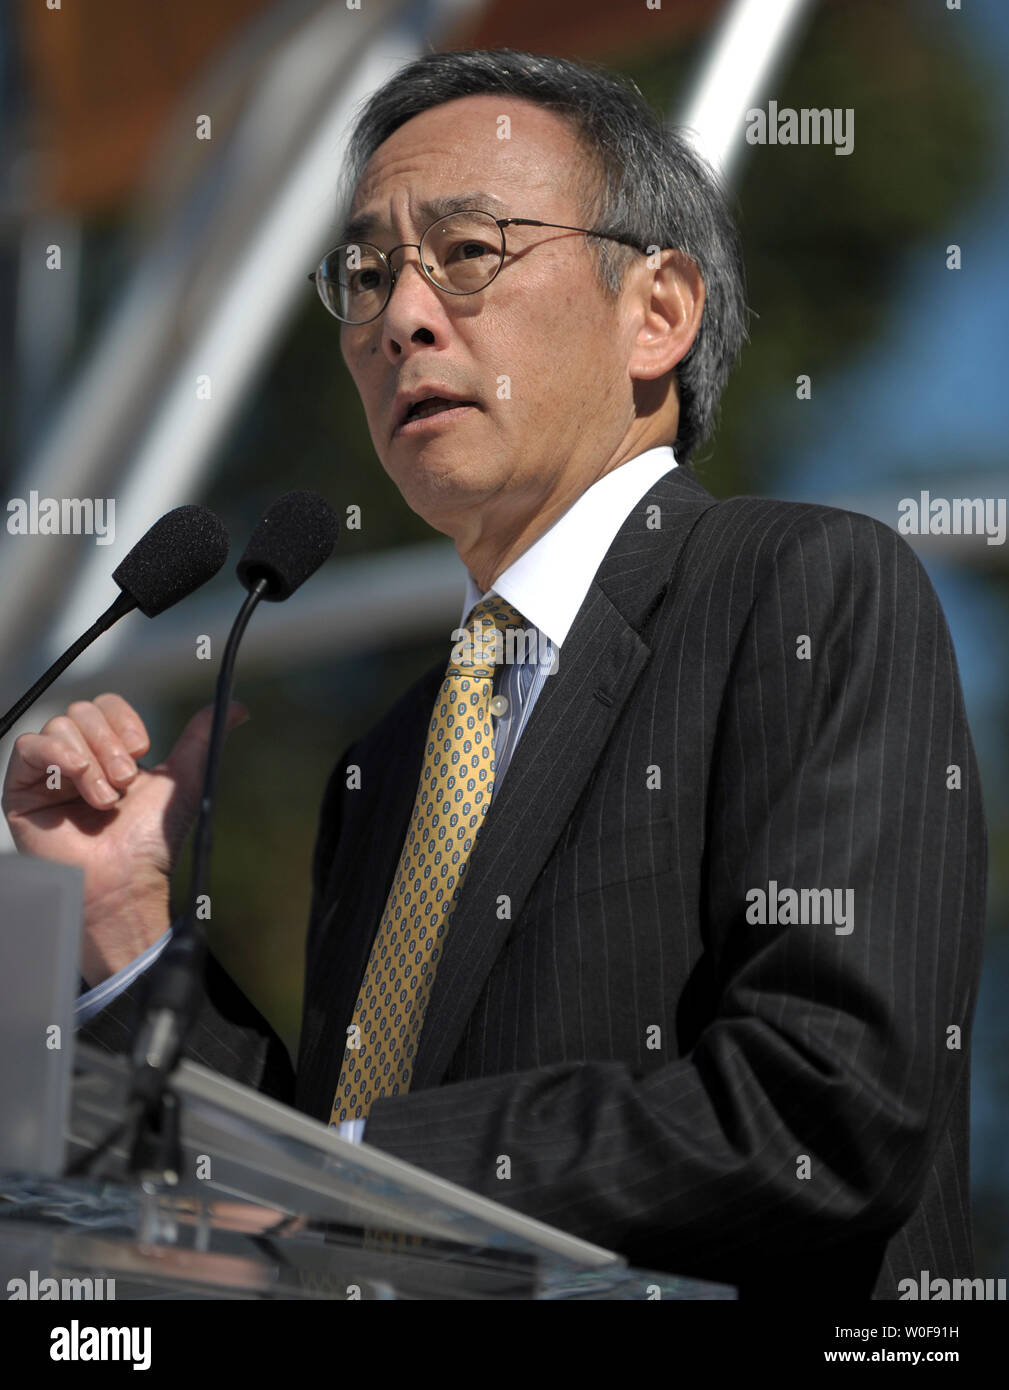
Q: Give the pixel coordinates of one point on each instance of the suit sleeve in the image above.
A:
(229, 1035)
(808, 1110)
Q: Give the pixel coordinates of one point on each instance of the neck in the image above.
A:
(497, 537)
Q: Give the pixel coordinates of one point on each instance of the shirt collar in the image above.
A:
(549, 581)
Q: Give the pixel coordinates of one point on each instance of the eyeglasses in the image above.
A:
(460, 254)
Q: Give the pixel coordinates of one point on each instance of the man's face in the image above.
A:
(541, 350)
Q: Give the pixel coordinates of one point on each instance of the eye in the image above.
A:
(470, 249)
(363, 280)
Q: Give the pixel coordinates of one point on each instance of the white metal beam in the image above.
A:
(748, 50)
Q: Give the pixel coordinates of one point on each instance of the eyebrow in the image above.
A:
(366, 223)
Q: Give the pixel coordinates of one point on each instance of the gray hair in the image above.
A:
(642, 180)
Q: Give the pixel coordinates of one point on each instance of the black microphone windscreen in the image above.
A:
(181, 551)
(296, 534)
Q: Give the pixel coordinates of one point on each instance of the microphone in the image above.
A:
(295, 535)
(180, 552)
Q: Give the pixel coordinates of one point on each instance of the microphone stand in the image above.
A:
(172, 997)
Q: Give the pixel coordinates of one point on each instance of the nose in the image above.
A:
(413, 311)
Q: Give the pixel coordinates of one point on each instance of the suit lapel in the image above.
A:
(600, 664)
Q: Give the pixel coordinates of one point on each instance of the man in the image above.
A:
(681, 914)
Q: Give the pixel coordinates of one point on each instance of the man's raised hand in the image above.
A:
(75, 793)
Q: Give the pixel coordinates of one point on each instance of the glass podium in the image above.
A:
(271, 1204)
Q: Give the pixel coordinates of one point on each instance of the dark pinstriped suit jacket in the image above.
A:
(776, 1106)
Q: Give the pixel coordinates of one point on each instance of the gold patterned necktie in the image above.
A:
(453, 795)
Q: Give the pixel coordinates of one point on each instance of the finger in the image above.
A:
(68, 737)
(35, 755)
(126, 722)
(118, 766)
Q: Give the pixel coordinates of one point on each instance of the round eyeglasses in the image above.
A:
(459, 254)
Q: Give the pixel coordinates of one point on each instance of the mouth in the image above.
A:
(432, 411)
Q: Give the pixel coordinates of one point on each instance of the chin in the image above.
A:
(434, 468)
(437, 489)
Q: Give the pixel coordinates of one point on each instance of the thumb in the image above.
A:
(186, 762)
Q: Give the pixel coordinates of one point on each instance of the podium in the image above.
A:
(269, 1203)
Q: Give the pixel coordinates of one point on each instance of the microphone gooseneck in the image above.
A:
(296, 534)
(173, 996)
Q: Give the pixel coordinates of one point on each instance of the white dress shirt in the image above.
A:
(549, 581)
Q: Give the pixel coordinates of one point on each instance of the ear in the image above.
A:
(668, 299)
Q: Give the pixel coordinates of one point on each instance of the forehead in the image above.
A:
(505, 148)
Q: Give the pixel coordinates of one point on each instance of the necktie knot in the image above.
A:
(484, 645)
